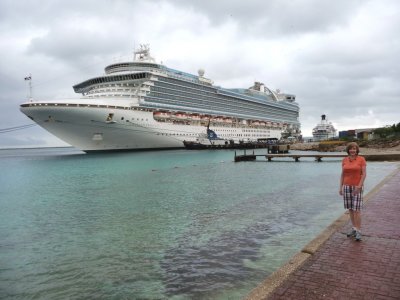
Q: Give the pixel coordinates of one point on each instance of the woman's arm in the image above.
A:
(341, 184)
(363, 175)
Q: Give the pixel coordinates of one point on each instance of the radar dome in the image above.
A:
(201, 72)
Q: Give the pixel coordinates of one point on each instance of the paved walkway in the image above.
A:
(338, 267)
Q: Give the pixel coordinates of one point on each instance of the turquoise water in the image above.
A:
(156, 225)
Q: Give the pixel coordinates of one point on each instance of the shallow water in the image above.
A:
(154, 225)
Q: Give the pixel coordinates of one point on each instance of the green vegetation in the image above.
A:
(384, 137)
(388, 131)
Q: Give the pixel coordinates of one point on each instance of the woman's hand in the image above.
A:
(357, 190)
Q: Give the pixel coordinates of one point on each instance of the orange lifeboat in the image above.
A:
(219, 119)
(161, 115)
(228, 120)
(195, 117)
(205, 118)
(181, 116)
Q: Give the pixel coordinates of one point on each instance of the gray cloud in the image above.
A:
(339, 58)
(277, 17)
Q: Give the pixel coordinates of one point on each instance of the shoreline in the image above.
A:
(372, 149)
(278, 277)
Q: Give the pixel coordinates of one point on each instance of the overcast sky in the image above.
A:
(340, 58)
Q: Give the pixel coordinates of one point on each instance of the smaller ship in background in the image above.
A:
(324, 130)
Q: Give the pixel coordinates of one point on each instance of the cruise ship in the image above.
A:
(324, 130)
(142, 104)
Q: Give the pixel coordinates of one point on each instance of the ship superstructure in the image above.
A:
(145, 105)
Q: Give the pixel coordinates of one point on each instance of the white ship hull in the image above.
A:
(141, 105)
(86, 127)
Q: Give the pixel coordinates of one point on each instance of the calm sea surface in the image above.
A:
(156, 225)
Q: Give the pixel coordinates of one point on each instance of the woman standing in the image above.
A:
(351, 187)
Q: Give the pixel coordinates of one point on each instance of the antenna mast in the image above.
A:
(29, 78)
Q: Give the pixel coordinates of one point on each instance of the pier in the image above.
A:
(317, 157)
(271, 148)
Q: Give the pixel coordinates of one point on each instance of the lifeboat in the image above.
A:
(262, 123)
(205, 118)
(161, 115)
(195, 117)
(228, 120)
(180, 116)
(255, 123)
(219, 119)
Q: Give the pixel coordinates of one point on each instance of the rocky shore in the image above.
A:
(366, 147)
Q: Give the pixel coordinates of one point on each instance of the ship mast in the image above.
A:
(29, 79)
(143, 54)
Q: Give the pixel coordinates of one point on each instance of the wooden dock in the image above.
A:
(317, 157)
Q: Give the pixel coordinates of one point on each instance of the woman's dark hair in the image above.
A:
(351, 145)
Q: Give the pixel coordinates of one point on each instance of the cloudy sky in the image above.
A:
(340, 58)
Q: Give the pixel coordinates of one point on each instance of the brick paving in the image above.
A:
(345, 269)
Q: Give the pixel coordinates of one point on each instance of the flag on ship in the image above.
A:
(28, 77)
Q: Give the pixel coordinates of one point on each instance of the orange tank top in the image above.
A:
(352, 170)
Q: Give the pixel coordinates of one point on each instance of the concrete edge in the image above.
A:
(277, 278)
(268, 286)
